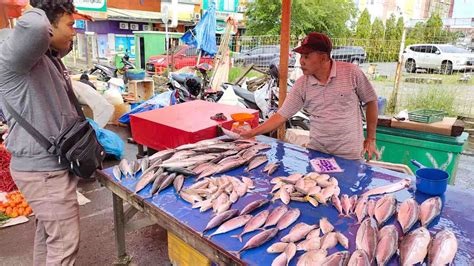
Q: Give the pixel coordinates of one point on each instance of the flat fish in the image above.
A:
(387, 244)
(384, 208)
(258, 240)
(414, 246)
(288, 218)
(429, 209)
(408, 214)
(443, 248)
(366, 238)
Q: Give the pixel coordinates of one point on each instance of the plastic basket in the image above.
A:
(426, 116)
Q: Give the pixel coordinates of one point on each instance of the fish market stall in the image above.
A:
(303, 225)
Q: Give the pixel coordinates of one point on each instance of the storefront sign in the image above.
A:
(222, 5)
(91, 5)
(80, 24)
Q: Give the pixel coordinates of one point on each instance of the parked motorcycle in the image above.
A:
(188, 86)
(106, 72)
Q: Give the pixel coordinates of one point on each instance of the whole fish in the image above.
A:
(429, 209)
(292, 179)
(180, 170)
(280, 260)
(117, 172)
(353, 199)
(256, 162)
(288, 218)
(167, 182)
(337, 204)
(248, 182)
(178, 183)
(277, 247)
(325, 225)
(405, 183)
(135, 167)
(161, 155)
(275, 215)
(342, 239)
(229, 133)
(220, 218)
(253, 206)
(144, 181)
(298, 232)
(309, 244)
(408, 214)
(366, 238)
(144, 163)
(125, 168)
(371, 208)
(201, 143)
(191, 198)
(443, 248)
(158, 182)
(290, 252)
(259, 239)
(346, 204)
(314, 233)
(414, 246)
(232, 224)
(361, 209)
(340, 258)
(285, 194)
(359, 258)
(329, 240)
(387, 244)
(270, 168)
(229, 165)
(312, 257)
(199, 168)
(210, 170)
(253, 224)
(384, 208)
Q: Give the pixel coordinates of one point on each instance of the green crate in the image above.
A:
(426, 116)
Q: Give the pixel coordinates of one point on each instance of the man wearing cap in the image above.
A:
(331, 91)
(34, 82)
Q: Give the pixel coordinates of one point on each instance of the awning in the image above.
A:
(133, 15)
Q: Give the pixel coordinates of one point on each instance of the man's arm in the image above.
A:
(369, 143)
(29, 41)
(272, 123)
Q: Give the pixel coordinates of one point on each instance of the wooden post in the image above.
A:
(284, 52)
(392, 103)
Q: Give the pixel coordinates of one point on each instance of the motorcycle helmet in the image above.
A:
(193, 84)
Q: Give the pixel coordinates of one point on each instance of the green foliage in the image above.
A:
(263, 17)
(430, 32)
(363, 27)
(377, 41)
(434, 98)
(391, 28)
(236, 72)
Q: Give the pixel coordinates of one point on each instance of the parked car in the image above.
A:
(262, 56)
(180, 57)
(352, 54)
(444, 58)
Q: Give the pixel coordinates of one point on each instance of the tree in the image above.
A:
(400, 27)
(375, 47)
(391, 28)
(434, 28)
(263, 17)
(363, 27)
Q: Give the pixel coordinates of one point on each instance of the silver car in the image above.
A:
(443, 58)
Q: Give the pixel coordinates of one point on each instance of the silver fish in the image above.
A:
(359, 258)
(414, 246)
(158, 182)
(229, 133)
(340, 258)
(220, 218)
(178, 183)
(199, 168)
(232, 224)
(161, 155)
(167, 182)
(429, 209)
(312, 257)
(387, 244)
(288, 218)
(144, 163)
(256, 222)
(259, 239)
(125, 168)
(405, 183)
(144, 181)
(366, 238)
(253, 206)
(408, 214)
(229, 166)
(443, 248)
(117, 173)
(275, 215)
(298, 232)
(180, 170)
(385, 208)
(278, 247)
(256, 162)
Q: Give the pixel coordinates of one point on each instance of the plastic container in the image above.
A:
(426, 116)
(382, 104)
(241, 123)
(433, 150)
(430, 181)
(135, 74)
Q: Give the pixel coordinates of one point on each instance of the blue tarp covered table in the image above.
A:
(177, 216)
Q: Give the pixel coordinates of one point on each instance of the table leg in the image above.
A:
(119, 228)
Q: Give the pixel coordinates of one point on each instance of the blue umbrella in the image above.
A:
(203, 36)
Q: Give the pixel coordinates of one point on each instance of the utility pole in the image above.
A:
(392, 103)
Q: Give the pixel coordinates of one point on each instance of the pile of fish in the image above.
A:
(312, 187)
(218, 193)
(314, 245)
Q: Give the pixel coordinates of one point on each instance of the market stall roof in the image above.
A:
(133, 15)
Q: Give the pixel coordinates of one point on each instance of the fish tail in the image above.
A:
(235, 253)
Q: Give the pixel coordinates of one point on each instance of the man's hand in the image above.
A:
(247, 134)
(371, 149)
